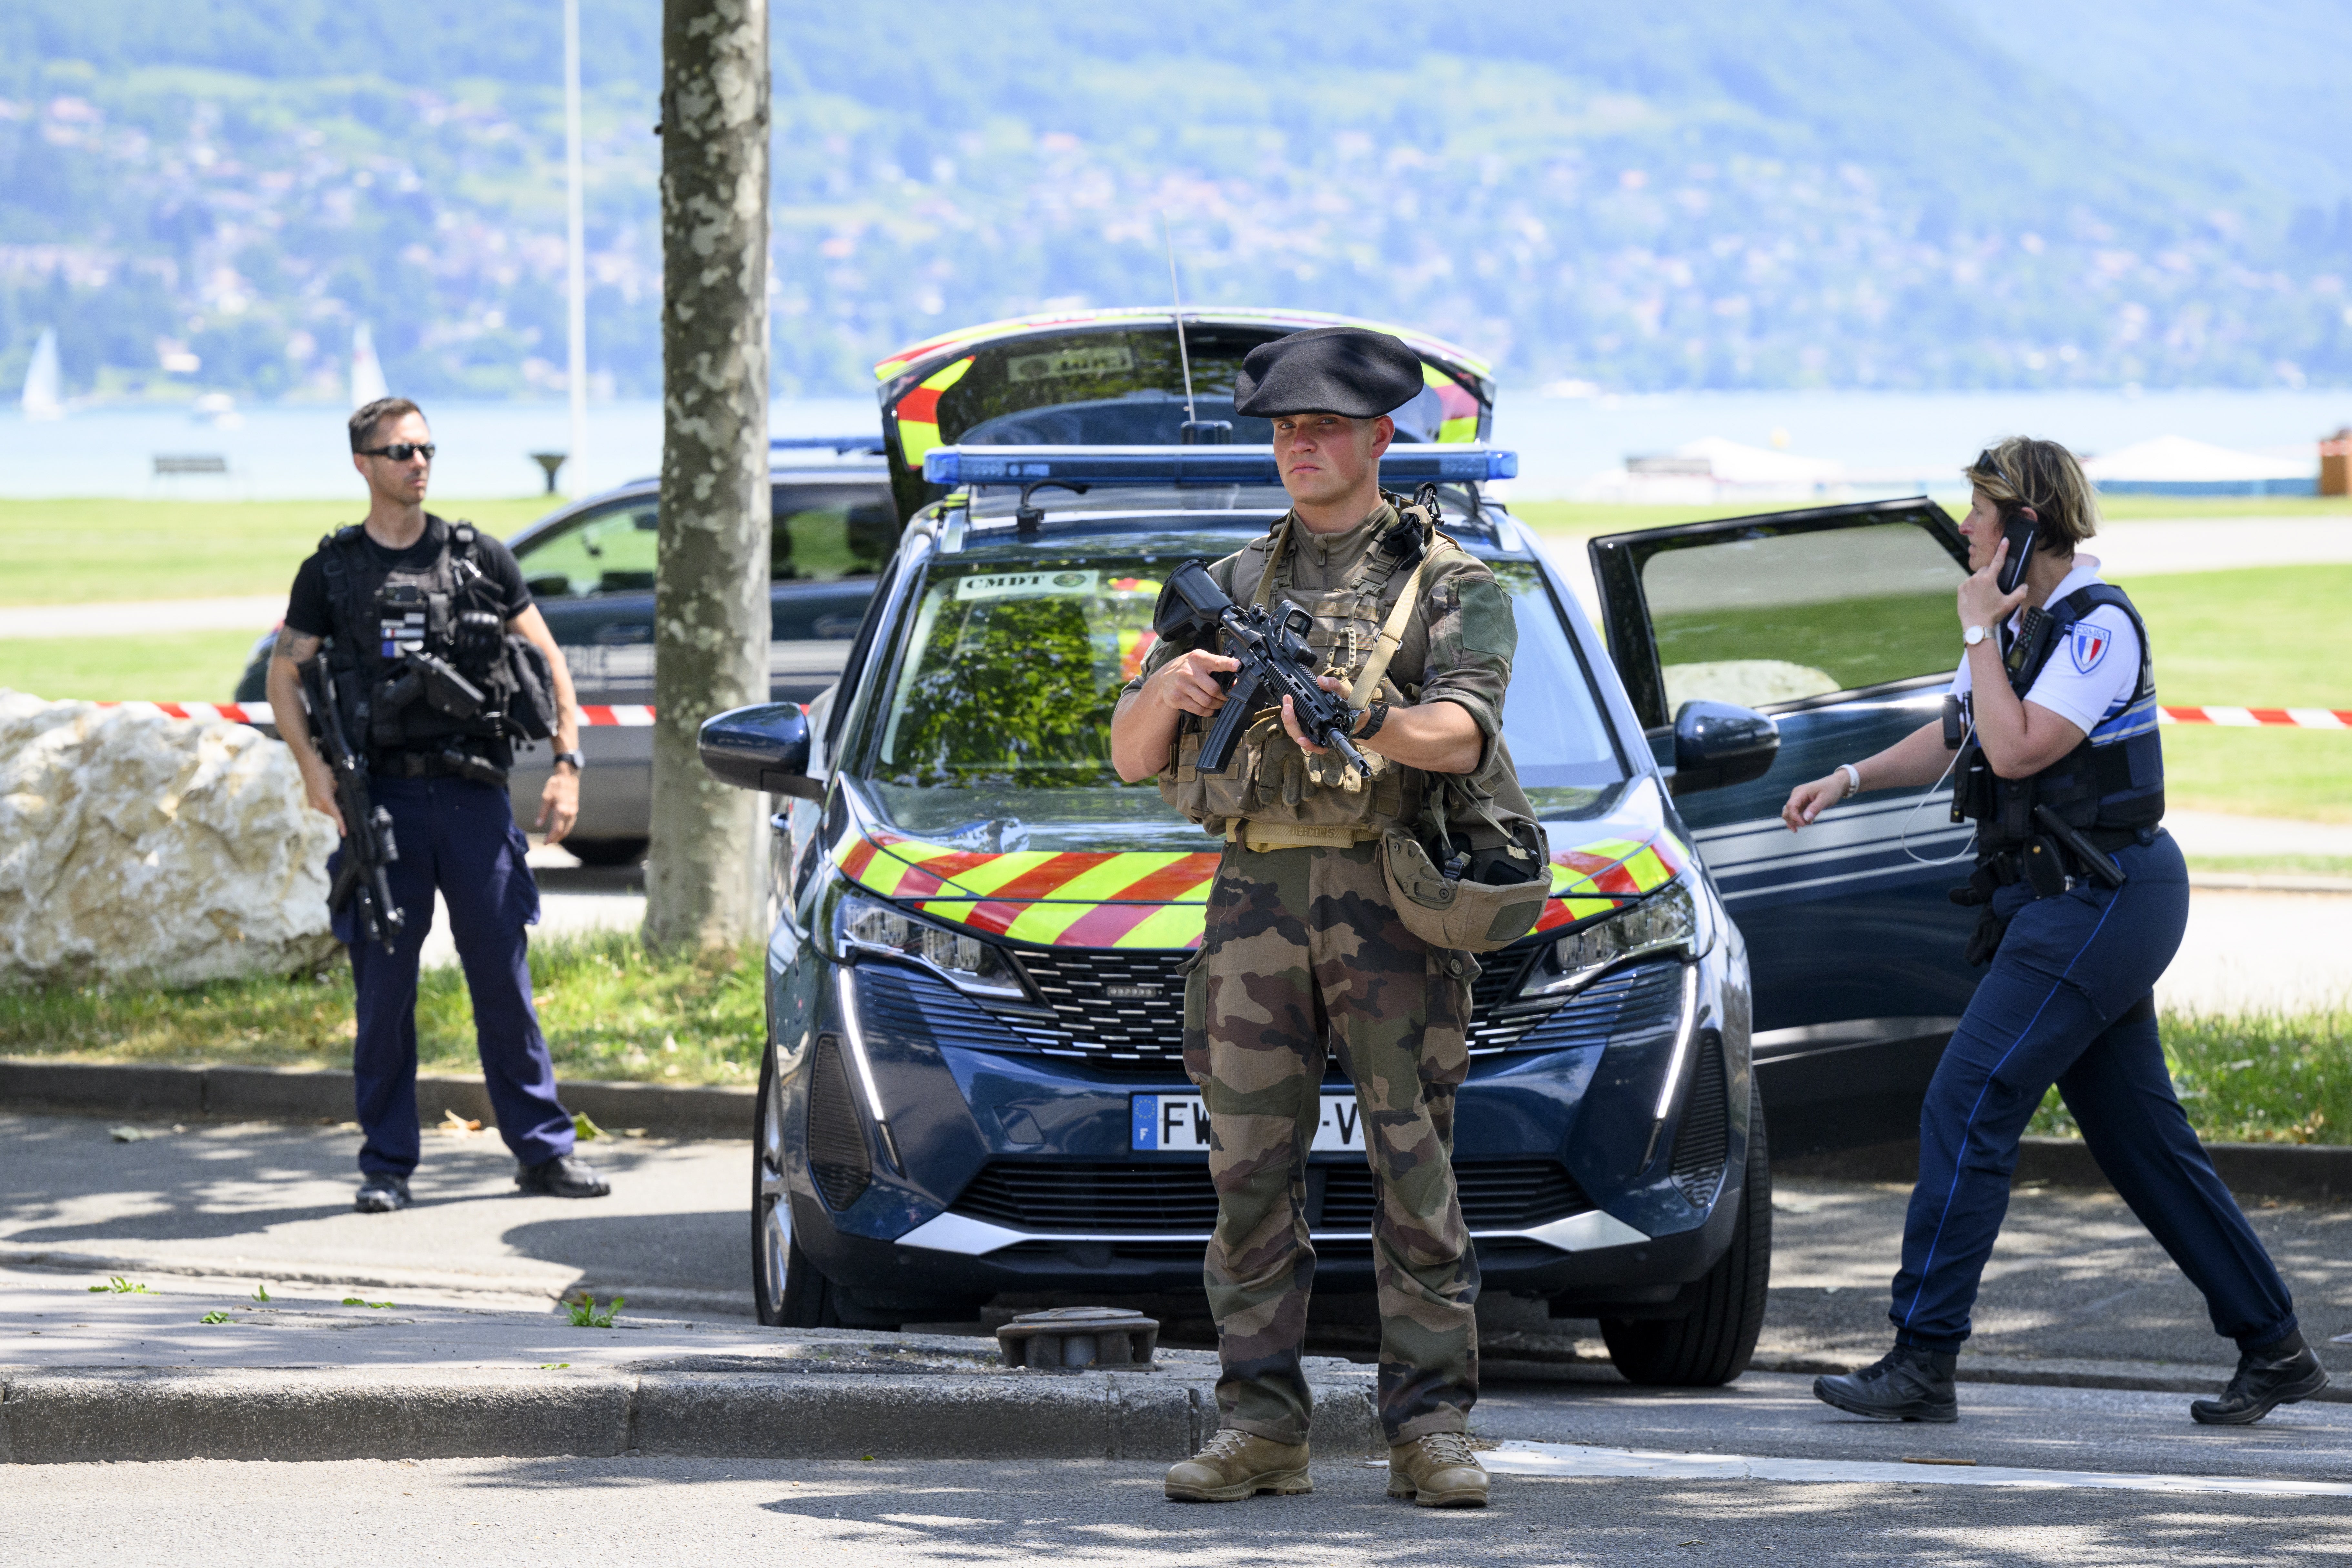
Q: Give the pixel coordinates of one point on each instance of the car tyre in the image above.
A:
(607, 851)
(786, 1288)
(1715, 1343)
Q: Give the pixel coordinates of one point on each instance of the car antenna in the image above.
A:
(1176, 301)
(1197, 431)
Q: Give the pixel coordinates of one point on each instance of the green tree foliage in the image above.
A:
(1955, 193)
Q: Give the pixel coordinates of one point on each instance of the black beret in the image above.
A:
(1327, 370)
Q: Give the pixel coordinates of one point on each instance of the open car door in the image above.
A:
(1839, 622)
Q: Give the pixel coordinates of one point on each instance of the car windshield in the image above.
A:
(1007, 676)
(817, 533)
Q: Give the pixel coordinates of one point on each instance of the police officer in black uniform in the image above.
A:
(384, 603)
(2083, 901)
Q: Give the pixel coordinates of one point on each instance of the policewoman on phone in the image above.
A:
(2050, 736)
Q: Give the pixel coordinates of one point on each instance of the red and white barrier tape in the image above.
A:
(637, 717)
(621, 716)
(2257, 718)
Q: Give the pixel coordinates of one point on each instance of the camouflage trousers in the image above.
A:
(1304, 958)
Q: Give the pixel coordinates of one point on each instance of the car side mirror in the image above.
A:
(764, 746)
(1717, 744)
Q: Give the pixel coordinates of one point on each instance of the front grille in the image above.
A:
(1091, 1196)
(1498, 1194)
(1109, 1197)
(1122, 1009)
(1627, 1002)
(1702, 1143)
(1104, 1005)
(838, 1161)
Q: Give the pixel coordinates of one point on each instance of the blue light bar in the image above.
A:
(1399, 466)
(840, 444)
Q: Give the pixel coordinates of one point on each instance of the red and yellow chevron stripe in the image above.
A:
(1058, 898)
(1420, 341)
(1157, 899)
(918, 414)
(1597, 878)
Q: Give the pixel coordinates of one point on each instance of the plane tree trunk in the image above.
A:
(710, 595)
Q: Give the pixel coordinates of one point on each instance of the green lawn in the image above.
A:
(610, 1010)
(2263, 1079)
(83, 552)
(1582, 517)
(170, 666)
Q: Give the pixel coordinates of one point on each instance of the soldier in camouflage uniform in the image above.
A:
(1303, 956)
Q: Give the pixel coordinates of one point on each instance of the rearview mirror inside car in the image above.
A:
(764, 746)
(1717, 744)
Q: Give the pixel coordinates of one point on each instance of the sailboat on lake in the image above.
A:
(41, 399)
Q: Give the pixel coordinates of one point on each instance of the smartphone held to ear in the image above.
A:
(2021, 529)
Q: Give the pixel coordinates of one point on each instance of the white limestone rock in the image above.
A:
(171, 849)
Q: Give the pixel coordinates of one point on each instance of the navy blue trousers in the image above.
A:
(2068, 969)
(458, 836)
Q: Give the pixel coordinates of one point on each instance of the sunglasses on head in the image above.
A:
(401, 451)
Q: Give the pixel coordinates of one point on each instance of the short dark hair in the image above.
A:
(368, 416)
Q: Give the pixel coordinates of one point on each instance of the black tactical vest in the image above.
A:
(427, 675)
(2111, 787)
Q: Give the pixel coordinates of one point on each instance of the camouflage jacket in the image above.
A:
(1456, 648)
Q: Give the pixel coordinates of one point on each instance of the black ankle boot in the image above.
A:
(2275, 1374)
(1904, 1384)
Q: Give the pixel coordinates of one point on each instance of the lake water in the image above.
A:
(1906, 441)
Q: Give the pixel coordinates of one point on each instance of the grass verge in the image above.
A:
(94, 551)
(610, 1009)
(165, 667)
(2250, 1079)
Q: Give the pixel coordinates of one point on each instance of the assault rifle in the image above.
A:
(1276, 663)
(368, 847)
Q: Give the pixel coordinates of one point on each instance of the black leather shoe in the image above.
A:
(1904, 1384)
(565, 1176)
(381, 1194)
(2267, 1378)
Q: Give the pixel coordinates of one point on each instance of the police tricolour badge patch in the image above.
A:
(2088, 644)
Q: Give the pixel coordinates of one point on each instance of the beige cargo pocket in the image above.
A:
(1196, 1018)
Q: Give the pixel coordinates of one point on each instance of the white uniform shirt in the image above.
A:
(2091, 674)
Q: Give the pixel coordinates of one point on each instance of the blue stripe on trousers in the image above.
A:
(2068, 967)
(458, 836)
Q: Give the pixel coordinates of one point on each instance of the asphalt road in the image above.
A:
(2074, 1280)
(522, 1514)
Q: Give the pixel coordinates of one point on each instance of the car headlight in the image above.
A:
(869, 925)
(1668, 920)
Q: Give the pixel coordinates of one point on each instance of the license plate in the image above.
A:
(1182, 1121)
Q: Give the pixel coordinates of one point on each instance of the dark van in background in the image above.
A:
(590, 566)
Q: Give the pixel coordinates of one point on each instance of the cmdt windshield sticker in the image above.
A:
(1089, 359)
(1026, 585)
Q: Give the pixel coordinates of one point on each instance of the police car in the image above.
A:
(972, 1082)
(590, 567)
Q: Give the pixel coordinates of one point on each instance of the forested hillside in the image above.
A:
(1952, 193)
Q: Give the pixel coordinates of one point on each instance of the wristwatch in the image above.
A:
(1369, 723)
(1973, 636)
(579, 764)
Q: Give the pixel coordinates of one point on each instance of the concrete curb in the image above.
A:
(2270, 1170)
(307, 1094)
(80, 1417)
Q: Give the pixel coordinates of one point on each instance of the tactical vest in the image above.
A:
(426, 671)
(1271, 779)
(2109, 791)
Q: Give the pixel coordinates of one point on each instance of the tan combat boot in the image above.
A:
(1437, 1471)
(1234, 1464)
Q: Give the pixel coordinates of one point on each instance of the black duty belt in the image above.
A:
(439, 766)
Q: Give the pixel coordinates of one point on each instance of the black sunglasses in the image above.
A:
(401, 451)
